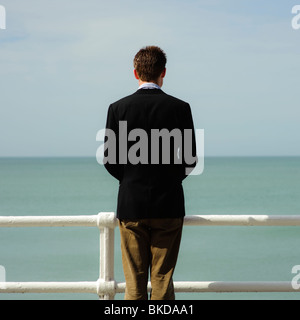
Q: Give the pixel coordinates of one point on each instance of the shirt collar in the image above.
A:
(149, 85)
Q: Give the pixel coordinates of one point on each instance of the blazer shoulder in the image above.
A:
(174, 100)
(122, 100)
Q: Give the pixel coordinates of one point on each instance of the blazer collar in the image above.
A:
(149, 91)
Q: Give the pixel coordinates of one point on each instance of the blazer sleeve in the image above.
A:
(111, 146)
(189, 152)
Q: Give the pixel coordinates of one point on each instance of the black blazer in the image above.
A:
(149, 190)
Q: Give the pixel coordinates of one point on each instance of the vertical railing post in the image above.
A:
(107, 244)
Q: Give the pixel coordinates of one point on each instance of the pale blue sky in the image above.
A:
(63, 62)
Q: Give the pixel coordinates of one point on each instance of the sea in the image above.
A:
(80, 186)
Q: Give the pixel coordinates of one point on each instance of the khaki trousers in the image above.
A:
(150, 244)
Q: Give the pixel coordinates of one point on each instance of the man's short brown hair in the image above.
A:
(149, 63)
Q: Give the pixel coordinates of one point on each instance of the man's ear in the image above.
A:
(164, 73)
(136, 75)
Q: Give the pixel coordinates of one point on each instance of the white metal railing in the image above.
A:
(106, 287)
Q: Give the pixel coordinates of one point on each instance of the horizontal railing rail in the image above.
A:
(108, 219)
(106, 287)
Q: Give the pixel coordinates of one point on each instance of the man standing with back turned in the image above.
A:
(151, 201)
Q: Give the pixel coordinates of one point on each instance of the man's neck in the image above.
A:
(158, 82)
(143, 82)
